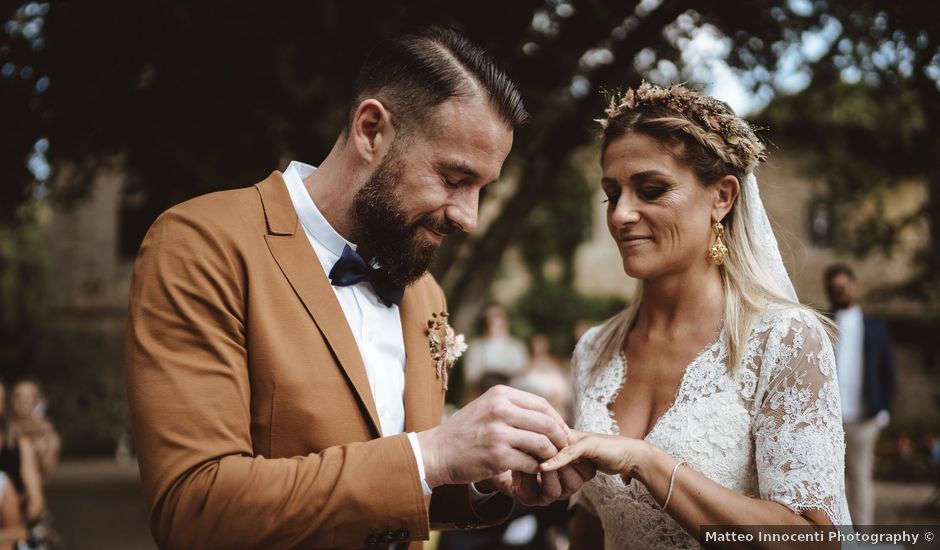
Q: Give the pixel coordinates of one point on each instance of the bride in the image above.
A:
(712, 399)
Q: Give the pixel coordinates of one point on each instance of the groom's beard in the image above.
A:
(382, 229)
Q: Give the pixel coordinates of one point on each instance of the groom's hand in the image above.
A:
(505, 429)
(544, 488)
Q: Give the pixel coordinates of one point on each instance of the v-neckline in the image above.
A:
(675, 399)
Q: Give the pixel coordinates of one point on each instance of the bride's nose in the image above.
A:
(625, 212)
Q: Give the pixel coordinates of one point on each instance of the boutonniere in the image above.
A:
(446, 346)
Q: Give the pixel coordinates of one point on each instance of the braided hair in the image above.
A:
(717, 142)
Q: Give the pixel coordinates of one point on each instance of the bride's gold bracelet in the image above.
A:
(672, 483)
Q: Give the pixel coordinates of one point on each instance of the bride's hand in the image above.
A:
(609, 453)
(543, 489)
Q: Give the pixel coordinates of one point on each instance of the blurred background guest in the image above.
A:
(28, 419)
(11, 520)
(543, 376)
(495, 357)
(18, 461)
(578, 328)
(866, 382)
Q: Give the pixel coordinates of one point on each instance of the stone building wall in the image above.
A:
(87, 285)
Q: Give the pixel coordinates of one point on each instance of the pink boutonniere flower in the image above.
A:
(446, 346)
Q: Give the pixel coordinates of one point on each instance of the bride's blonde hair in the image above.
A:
(705, 134)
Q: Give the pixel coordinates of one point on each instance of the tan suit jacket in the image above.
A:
(253, 417)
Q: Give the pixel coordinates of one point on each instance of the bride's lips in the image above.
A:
(630, 241)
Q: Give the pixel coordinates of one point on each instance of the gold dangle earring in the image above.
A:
(718, 250)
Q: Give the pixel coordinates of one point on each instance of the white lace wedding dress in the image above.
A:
(771, 430)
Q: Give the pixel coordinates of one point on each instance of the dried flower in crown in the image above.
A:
(711, 117)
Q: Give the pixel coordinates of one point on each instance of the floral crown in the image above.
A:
(710, 122)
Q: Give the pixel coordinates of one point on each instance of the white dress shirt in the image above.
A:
(850, 361)
(375, 326)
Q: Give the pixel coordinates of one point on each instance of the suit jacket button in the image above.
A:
(403, 534)
(388, 537)
(372, 539)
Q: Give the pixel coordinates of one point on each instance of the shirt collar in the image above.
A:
(310, 216)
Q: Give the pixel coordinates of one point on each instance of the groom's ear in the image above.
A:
(724, 192)
(371, 132)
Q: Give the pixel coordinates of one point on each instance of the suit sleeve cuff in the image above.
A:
(419, 458)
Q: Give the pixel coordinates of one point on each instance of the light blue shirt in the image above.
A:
(850, 358)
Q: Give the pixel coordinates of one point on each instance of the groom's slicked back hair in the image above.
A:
(414, 73)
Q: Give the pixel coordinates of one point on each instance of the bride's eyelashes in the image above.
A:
(646, 193)
(612, 192)
(652, 192)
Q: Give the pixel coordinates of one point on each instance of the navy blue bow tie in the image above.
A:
(351, 269)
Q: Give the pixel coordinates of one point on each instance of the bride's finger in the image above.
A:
(564, 456)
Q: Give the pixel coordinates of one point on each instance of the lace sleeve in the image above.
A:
(800, 445)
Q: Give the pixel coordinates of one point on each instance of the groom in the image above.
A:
(279, 366)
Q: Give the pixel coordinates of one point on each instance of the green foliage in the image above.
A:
(860, 138)
(862, 141)
(22, 271)
(551, 235)
(867, 122)
(553, 308)
(558, 225)
(20, 114)
(82, 372)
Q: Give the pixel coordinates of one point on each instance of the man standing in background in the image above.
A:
(866, 383)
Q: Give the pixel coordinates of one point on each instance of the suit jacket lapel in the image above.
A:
(422, 388)
(297, 260)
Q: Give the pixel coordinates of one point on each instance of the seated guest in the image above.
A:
(18, 461)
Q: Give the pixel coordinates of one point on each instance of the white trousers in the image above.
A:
(860, 438)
